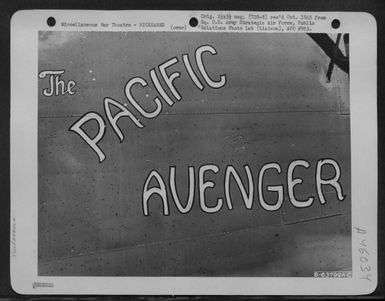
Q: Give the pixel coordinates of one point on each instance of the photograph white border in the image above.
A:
(25, 25)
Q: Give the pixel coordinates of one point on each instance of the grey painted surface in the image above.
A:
(275, 107)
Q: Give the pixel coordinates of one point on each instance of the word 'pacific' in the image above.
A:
(168, 80)
(247, 195)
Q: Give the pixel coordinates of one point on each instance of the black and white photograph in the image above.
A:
(224, 148)
(193, 154)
